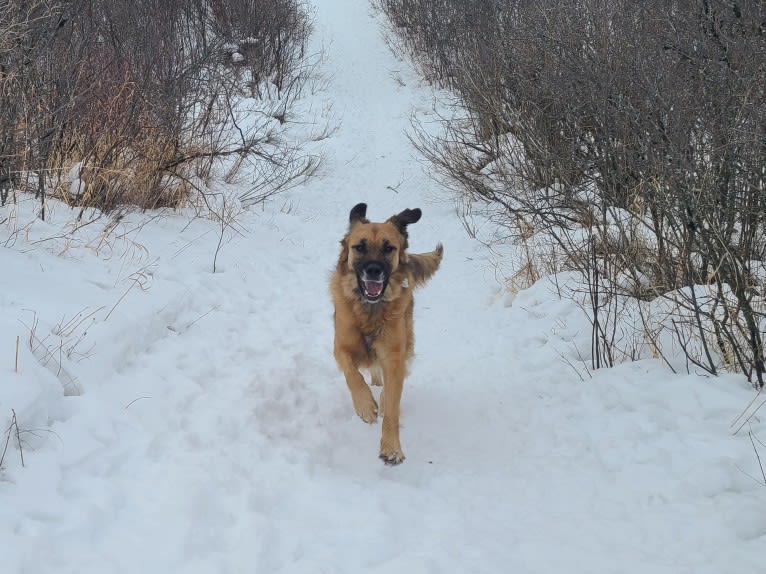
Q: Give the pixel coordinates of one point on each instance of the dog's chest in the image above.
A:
(369, 338)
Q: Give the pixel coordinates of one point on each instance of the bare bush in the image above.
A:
(631, 133)
(135, 101)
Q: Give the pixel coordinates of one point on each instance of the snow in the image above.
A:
(173, 419)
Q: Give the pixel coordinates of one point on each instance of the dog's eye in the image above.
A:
(389, 249)
(359, 247)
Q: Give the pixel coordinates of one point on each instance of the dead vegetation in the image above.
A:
(631, 138)
(120, 102)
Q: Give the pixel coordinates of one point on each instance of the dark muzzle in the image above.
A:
(372, 277)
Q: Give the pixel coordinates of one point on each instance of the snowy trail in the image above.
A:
(214, 433)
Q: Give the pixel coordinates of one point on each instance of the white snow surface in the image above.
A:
(177, 420)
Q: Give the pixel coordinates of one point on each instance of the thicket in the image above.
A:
(113, 102)
(623, 140)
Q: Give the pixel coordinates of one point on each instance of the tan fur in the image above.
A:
(378, 336)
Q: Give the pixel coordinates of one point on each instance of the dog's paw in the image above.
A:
(390, 447)
(391, 451)
(392, 457)
(367, 409)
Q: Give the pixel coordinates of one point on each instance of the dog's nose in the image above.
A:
(373, 270)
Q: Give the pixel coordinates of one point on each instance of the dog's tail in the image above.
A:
(423, 265)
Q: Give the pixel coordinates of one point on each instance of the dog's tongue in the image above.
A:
(373, 288)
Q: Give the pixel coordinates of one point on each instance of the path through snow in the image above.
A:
(214, 433)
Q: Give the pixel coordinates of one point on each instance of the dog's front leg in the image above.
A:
(393, 383)
(364, 403)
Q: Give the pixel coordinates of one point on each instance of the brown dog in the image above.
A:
(372, 292)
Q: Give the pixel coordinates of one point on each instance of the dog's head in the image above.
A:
(374, 251)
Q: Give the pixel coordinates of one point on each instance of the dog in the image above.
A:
(371, 289)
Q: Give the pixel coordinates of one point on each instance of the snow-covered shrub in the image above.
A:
(138, 94)
(627, 135)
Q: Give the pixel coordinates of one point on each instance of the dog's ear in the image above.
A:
(405, 218)
(358, 213)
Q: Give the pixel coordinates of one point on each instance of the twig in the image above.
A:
(757, 456)
(134, 401)
(136, 280)
(223, 231)
(64, 331)
(394, 188)
(16, 363)
(215, 308)
(746, 408)
(18, 438)
(577, 372)
(5, 448)
(582, 360)
(749, 417)
(14, 425)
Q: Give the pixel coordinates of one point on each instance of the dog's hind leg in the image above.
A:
(376, 376)
(376, 380)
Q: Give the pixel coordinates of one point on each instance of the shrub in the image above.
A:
(141, 95)
(632, 133)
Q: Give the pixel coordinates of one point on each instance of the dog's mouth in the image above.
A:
(372, 284)
(372, 291)
(372, 278)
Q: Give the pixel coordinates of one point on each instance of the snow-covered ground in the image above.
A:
(178, 420)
